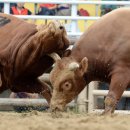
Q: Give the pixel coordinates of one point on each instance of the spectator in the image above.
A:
(47, 9)
(107, 8)
(63, 10)
(83, 12)
(18, 9)
(1, 7)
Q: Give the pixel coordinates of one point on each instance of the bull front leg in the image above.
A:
(33, 86)
(117, 87)
(46, 91)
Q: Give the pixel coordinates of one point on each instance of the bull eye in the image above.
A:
(61, 27)
(67, 86)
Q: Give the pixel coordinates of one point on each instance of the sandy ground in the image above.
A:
(43, 121)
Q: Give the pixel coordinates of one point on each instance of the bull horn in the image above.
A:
(54, 56)
(73, 66)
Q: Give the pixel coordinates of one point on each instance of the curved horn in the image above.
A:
(54, 56)
(73, 66)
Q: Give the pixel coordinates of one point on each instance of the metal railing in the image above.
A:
(93, 94)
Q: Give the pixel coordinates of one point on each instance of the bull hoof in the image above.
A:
(107, 112)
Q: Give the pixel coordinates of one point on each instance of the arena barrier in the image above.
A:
(85, 100)
(93, 92)
(26, 102)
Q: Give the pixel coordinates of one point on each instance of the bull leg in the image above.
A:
(119, 83)
(46, 91)
(33, 86)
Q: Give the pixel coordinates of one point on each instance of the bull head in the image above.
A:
(53, 36)
(67, 81)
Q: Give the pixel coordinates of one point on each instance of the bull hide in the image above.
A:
(23, 53)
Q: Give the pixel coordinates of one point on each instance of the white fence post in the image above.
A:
(82, 97)
(74, 13)
(7, 8)
(91, 100)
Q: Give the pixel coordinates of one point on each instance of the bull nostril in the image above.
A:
(61, 27)
(55, 109)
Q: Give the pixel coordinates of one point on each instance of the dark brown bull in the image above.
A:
(101, 54)
(24, 50)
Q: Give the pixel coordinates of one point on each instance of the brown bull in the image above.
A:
(24, 50)
(101, 54)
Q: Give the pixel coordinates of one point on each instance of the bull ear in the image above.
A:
(67, 53)
(83, 66)
(40, 27)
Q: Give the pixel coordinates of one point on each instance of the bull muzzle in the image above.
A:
(56, 109)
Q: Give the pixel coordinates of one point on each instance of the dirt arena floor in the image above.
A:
(43, 121)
